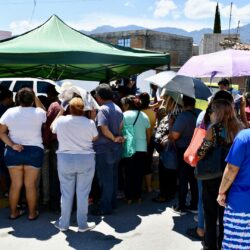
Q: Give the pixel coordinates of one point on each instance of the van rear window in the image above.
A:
(5, 84)
(22, 84)
(42, 86)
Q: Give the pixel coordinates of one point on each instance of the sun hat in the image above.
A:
(63, 86)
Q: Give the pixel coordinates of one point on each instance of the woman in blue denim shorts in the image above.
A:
(20, 130)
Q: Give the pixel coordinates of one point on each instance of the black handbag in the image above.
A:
(213, 164)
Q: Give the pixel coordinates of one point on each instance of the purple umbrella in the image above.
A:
(226, 63)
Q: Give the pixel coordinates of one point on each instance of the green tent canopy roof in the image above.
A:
(56, 51)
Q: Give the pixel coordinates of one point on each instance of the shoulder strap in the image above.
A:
(136, 118)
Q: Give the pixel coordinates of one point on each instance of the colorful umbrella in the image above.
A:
(161, 78)
(226, 63)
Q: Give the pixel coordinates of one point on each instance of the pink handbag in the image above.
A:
(190, 155)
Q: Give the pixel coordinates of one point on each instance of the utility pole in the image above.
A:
(230, 18)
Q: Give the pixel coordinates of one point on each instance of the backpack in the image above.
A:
(129, 145)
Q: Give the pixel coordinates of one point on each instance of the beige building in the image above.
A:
(179, 47)
(214, 42)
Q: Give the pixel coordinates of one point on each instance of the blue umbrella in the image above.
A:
(188, 86)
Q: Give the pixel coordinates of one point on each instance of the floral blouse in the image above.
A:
(163, 128)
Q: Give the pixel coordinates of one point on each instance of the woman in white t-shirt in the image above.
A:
(20, 130)
(76, 163)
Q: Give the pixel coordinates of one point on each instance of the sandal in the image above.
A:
(20, 213)
(193, 233)
(34, 218)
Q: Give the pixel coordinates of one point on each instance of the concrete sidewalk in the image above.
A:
(148, 226)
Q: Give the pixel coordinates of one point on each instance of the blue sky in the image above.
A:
(19, 16)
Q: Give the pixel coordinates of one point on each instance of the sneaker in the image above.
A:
(178, 210)
(192, 209)
(90, 226)
(60, 228)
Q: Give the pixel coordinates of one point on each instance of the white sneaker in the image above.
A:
(59, 228)
(90, 226)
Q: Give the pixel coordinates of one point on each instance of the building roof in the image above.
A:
(145, 32)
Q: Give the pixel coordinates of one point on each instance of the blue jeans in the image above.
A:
(76, 172)
(107, 174)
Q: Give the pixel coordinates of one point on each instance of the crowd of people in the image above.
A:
(56, 154)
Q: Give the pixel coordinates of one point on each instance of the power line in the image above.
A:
(33, 10)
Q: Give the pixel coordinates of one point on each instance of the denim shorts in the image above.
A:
(30, 155)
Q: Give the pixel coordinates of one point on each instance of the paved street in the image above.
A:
(147, 226)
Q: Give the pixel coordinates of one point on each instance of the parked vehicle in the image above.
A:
(39, 86)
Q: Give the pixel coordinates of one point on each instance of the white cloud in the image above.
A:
(197, 9)
(19, 27)
(164, 7)
(176, 14)
(241, 14)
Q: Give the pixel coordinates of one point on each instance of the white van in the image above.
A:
(39, 86)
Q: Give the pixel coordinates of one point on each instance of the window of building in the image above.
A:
(124, 42)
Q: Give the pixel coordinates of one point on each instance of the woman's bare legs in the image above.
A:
(16, 176)
(30, 181)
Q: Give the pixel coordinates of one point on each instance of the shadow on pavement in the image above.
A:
(40, 229)
(182, 223)
(43, 229)
(127, 217)
(91, 240)
(124, 219)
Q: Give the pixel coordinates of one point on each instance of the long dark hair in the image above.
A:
(225, 114)
(132, 101)
(145, 100)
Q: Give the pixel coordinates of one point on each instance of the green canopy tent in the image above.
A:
(56, 51)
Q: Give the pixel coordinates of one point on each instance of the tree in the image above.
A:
(217, 26)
